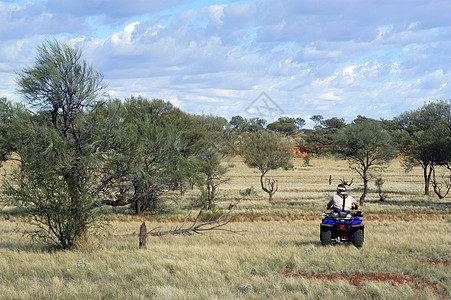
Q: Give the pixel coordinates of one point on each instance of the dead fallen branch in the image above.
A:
(196, 226)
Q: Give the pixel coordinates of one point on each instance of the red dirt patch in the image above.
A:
(402, 216)
(356, 279)
(437, 262)
(266, 218)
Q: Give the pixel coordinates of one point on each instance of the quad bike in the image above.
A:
(342, 227)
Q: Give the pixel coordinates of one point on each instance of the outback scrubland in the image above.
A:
(277, 255)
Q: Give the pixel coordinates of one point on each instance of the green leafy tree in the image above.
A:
(210, 172)
(300, 122)
(240, 124)
(54, 185)
(8, 113)
(320, 139)
(367, 147)
(318, 120)
(266, 150)
(334, 123)
(140, 151)
(424, 137)
(283, 125)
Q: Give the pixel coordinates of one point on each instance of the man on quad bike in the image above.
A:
(342, 226)
(342, 202)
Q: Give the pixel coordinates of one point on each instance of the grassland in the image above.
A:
(406, 254)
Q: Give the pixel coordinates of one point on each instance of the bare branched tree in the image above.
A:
(343, 181)
(440, 187)
(271, 186)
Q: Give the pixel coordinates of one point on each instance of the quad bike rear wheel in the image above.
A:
(326, 236)
(358, 238)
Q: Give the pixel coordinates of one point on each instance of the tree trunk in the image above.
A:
(263, 186)
(365, 188)
(427, 179)
(212, 196)
(270, 188)
(209, 193)
(138, 207)
(438, 187)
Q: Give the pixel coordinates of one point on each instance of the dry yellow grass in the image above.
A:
(312, 182)
(270, 260)
(226, 266)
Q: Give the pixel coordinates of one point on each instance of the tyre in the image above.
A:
(326, 236)
(358, 238)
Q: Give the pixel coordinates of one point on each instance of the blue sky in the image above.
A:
(336, 58)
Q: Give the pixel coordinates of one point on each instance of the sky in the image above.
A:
(253, 58)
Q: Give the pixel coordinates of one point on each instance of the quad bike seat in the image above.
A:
(341, 215)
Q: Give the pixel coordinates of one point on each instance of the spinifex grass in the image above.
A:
(227, 266)
(407, 236)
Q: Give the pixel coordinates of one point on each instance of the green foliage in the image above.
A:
(320, 140)
(10, 115)
(60, 82)
(46, 200)
(427, 133)
(367, 147)
(240, 124)
(56, 145)
(378, 183)
(247, 192)
(266, 150)
(424, 137)
(300, 122)
(306, 160)
(139, 145)
(284, 125)
(208, 163)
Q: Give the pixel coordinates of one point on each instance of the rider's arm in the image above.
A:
(355, 204)
(331, 203)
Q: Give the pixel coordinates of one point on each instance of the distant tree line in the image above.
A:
(76, 151)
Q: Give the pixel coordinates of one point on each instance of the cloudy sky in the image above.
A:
(267, 58)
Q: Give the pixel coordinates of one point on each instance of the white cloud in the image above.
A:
(312, 58)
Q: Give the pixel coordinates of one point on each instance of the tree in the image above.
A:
(54, 186)
(334, 123)
(320, 139)
(317, 119)
(300, 122)
(239, 124)
(283, 125)
(140, 149)
(208, 164)
(8, 113)
(266, 150)
(367, 147)
(257, 122)
(424, 138)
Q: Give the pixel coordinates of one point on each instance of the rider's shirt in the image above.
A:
(342, 202)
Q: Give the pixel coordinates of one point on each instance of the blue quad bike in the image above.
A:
(342, 227)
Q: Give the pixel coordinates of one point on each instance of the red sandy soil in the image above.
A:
(367, 216)
(436, 262)
(357, 278)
